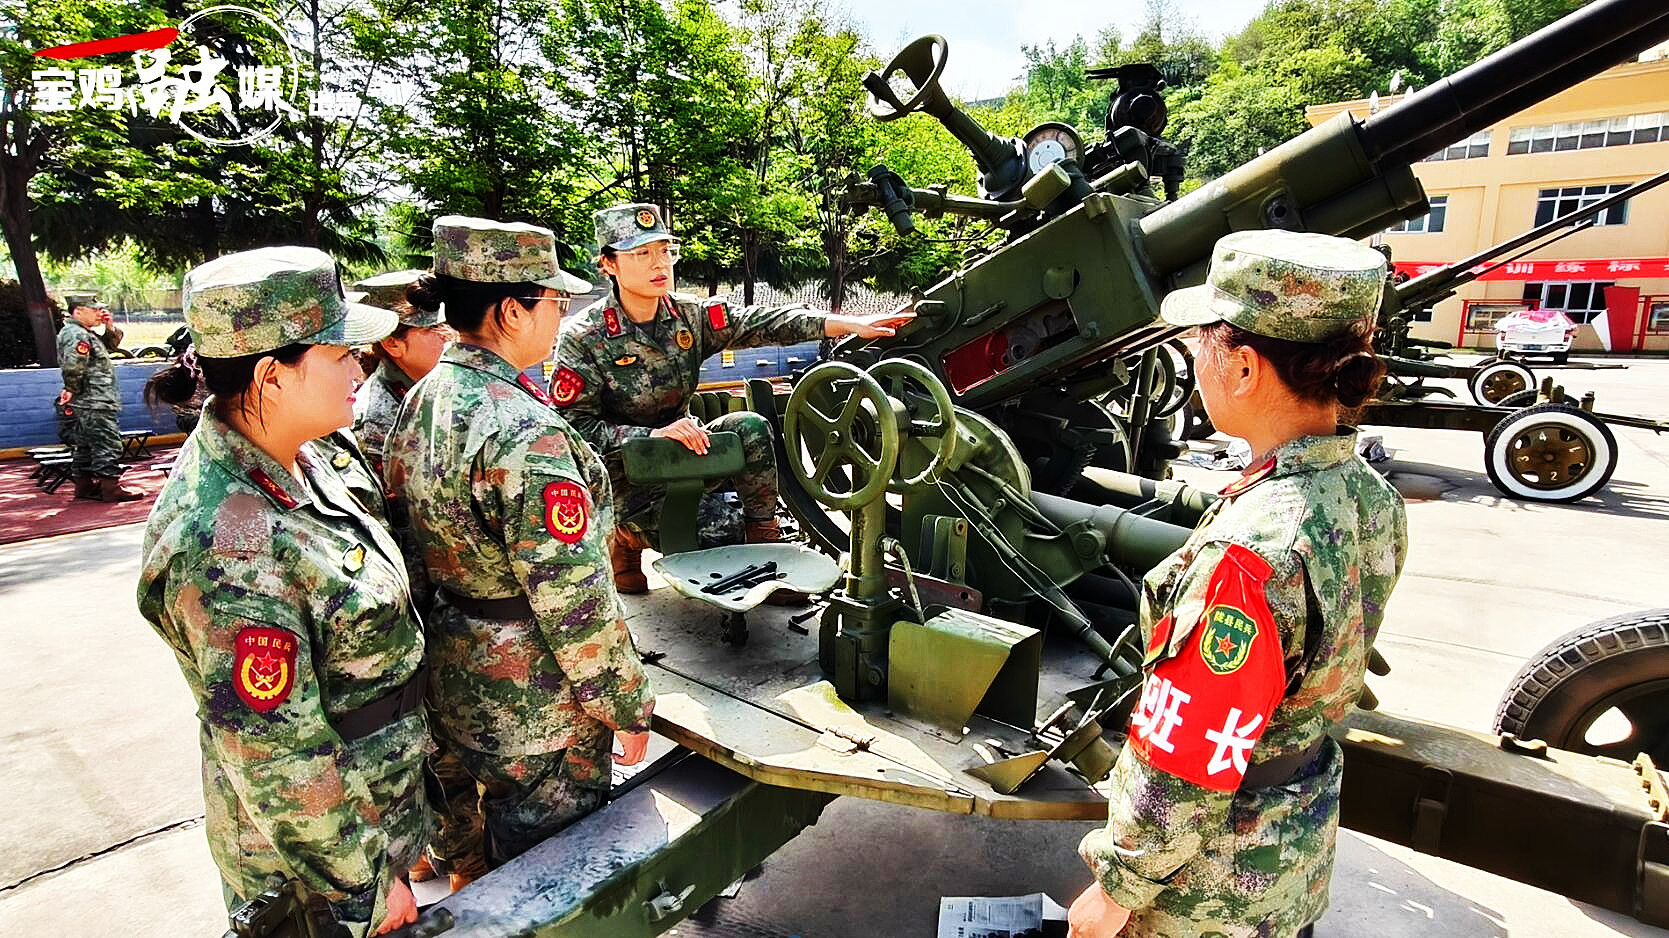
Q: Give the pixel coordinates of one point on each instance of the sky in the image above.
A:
(985, 36)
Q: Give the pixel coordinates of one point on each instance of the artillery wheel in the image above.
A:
(909, 381)
(1614, 668)
(863, 433)
(1195, 422)
(1550, 453)
(1174, 384)
(1496, 378)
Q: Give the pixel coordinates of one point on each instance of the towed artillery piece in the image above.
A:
(992, 478)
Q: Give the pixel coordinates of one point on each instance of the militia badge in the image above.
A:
(646, 218)
(1226, 639)
(264, 669)
(686, 339)
(567, 511)
(568, 386)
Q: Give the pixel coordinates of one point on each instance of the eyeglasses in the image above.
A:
(562, 302)
(655, 253)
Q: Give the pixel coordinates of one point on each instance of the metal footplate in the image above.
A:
(684, 830)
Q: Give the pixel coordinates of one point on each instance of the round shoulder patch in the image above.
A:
(1226, 638)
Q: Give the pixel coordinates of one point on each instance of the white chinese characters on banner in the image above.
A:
(166, 90)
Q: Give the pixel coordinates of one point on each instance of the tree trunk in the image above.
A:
(21, 149)
(750, 256)
(20, 243)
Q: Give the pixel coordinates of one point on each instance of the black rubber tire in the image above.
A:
(152, 351)
(1518, 399)
(1602, 445)
(1196, 423)
(1620, 662)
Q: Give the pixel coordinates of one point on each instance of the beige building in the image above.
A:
(1599, 137)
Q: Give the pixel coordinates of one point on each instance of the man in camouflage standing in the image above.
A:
(628, 365)
(534, 671)
(90, 400)
(1224, 802)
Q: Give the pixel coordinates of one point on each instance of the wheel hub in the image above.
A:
(1549, 456)
(1501, 384)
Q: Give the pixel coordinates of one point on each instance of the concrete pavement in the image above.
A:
(99, 790)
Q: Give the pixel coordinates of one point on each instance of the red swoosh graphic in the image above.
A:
(155, 39)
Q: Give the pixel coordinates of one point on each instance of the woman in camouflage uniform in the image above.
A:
(1224, 804)
(534, 670)
(628, 365)
(286, 601)
(402, 359)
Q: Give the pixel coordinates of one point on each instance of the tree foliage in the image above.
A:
(745, 120)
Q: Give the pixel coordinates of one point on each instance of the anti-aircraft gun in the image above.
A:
(975, 472)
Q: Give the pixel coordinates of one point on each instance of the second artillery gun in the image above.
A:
(992, 477)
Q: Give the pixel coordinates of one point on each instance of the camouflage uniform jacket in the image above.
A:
(504, 499)
(375, 405)
(1258, 631)
(617, 379)
(286, 605)
(90, 376)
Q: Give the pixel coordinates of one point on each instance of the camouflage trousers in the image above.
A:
(96, 443)
(459, 839)
(639, 506)
(530, 797)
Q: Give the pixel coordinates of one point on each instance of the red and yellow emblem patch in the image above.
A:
(82, 348)
(718, 315)
(264, 669)
(567, 386)
(567, 511)
(611, 322)
(645, 218)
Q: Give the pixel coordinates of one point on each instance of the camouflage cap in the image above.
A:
(624, 227)
(1285, 285)
(487, 251)
(257, 301)
(89, 300)
(388, 291)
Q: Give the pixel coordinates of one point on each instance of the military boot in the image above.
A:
(111, 490)
(625, 554)
(769, 531)
(87, 487)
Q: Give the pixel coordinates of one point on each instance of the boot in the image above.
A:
(87, 487)
(769, 531)
(111, 490)
(625, 554)
(423, 870)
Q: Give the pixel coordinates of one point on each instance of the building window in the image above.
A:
(1557, 203)
(1658, 321)
(1587, 135)
(1481, 316)
(1430, 222)
(1581, 301)
(1471, 148)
